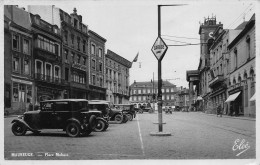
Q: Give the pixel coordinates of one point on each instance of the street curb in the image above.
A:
(232, 117)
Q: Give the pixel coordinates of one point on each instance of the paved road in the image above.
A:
(194, 136)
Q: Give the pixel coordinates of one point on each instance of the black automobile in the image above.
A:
(114, 114)
(128, 110)
(103, 107)
(70, 115)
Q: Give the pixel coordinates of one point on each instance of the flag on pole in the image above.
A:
(136, 57)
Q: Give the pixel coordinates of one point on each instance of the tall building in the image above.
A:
(47, 61)
(74, 52)
(96, 49)
(18, 56)
(146, 92)
(218, 79)
(241, 85)
(117, 78)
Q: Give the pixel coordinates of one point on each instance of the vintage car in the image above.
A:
(114, 113)
(70, 115)
(103, 107)
(128, 110)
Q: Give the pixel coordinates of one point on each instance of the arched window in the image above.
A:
(252, 74)
(245, 75)
(234, 81)
(239, 79)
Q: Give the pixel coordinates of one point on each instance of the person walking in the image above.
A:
(219, 111)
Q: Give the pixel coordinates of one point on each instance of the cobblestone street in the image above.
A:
(195, 135)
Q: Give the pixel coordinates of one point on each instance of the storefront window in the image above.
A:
(29, 94)
(15, 92)
(21, 93)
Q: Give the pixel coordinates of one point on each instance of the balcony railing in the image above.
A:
(217, 79)
(47, 78)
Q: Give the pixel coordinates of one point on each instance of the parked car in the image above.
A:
(103, 107)
(128, 110)
(114, 113)
(70, 115)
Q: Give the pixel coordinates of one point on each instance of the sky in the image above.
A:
(132, 26)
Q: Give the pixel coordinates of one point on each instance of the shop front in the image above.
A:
(21, 95)
(235, 100)
(96, 93)
(48, 93)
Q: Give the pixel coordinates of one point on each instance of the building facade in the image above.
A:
(47, 61)
(74, 51)
(18, 58)
(241, 86)
(96, 49)
(146, 92)
(206, 31)
(117, 78)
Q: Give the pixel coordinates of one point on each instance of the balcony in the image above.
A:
(216, 80)
(46, 78)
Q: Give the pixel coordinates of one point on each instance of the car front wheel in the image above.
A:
(130, 117)
(18, 129)
(100, 126)
(73, 130)
(119, 118)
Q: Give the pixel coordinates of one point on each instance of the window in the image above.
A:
(78, 43)
(67, 74)
(100, 52)
(16, 64)
(100, 67)
(248, 47)
(72, 57)
(93, 65)
(39, 67)
(66, 36)
(47, 45)
(26, 46)
(235, 58)
(78, 59)
(15, 92)
(48, 70)
(84, 46)
(84, 60)
(93, 48)
(75, 23)
(167, 90)
(57, 72)
(56, 49)
(72, 40)
(16, 42)
(101, 82)
(26, 67)
(66, 55)
(93, 79)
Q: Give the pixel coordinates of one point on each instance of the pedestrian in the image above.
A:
(219, 111)
(231, 110)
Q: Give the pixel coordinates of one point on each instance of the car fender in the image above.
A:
(23, 122)
(100, 118)
(73, 120)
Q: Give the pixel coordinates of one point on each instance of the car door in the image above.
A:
(61, 114)
(46, 114)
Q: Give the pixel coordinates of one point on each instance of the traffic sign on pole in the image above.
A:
(159, 48)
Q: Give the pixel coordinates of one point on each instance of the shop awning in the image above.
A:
(252, 98)
(199, 98)
(232, 97)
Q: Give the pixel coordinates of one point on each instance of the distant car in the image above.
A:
(70, 115)
(128, 110)
(114, 113)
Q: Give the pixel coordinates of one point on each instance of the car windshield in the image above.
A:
(80, 106)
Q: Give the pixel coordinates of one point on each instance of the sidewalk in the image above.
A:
(232, 117)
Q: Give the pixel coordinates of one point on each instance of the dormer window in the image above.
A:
(75, 23)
